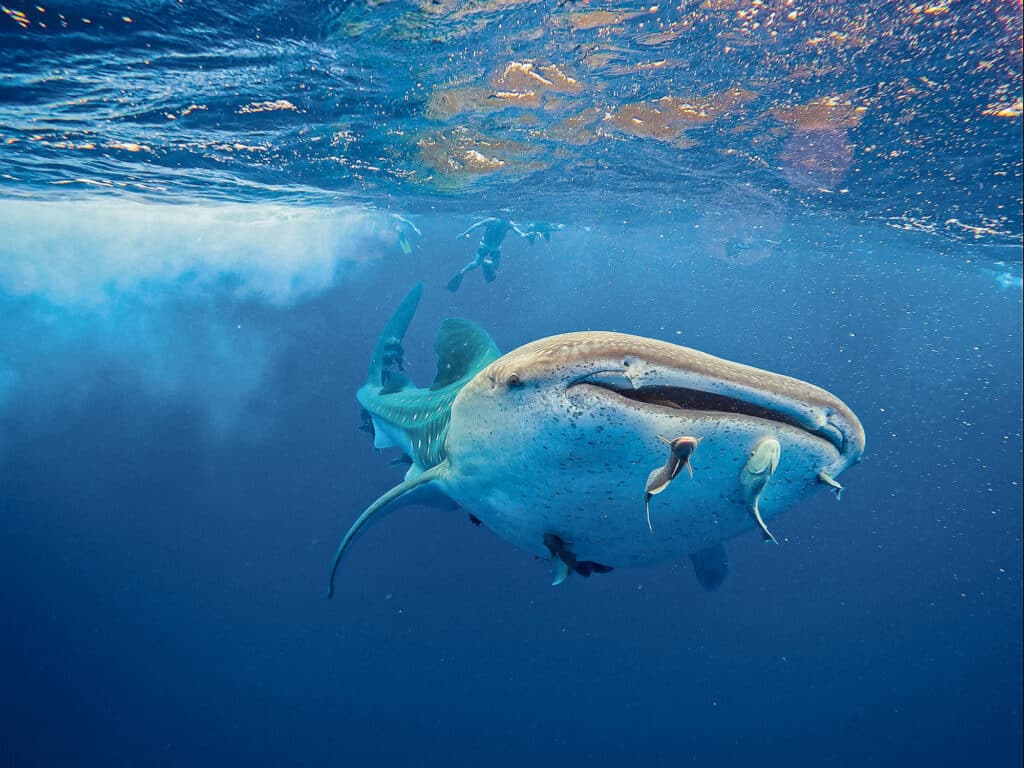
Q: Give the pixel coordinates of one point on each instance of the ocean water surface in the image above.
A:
(209, 211)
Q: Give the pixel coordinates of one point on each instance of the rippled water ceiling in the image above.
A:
(909, 113)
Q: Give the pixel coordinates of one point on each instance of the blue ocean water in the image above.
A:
(202, 218)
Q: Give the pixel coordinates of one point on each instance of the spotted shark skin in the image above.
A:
(414, 420)
(555, 442)
(411, 418)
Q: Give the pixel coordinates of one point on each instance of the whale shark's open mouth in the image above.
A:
(689, 399)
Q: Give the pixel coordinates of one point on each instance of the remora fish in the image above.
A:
(554, 441)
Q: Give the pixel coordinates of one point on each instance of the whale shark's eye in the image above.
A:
(513, 381)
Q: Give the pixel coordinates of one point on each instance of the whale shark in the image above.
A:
(559, 446)
(415, 420)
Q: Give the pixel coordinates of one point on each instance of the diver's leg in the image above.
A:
(489, 273)
(456, 281)
(490, 266)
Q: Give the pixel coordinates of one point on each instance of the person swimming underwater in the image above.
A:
(403, 227)
(488, 253)
(542, 228)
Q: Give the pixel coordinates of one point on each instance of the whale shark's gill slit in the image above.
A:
(685, 398)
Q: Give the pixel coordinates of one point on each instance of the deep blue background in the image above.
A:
(162, 582)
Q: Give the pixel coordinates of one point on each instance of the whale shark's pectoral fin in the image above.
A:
(586, 567)
(421, 489)
(583, 567)
(565, 561)
(711, 566)
(560, 556)
(562, 571)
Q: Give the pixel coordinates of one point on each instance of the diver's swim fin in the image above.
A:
(455, 282)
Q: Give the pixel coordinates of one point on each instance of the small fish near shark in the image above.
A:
(679, 452)
(559, 445)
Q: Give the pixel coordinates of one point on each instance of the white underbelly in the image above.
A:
(590, 490)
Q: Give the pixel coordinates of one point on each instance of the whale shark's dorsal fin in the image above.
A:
(395, 382)
(463, 349)
(410, 418)
(393, 333)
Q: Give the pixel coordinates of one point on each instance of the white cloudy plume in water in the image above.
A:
(82, 252)
(123, 282)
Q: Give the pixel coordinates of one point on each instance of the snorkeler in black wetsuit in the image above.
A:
(488, 253)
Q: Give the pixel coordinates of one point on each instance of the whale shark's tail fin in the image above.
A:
(388, 352)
